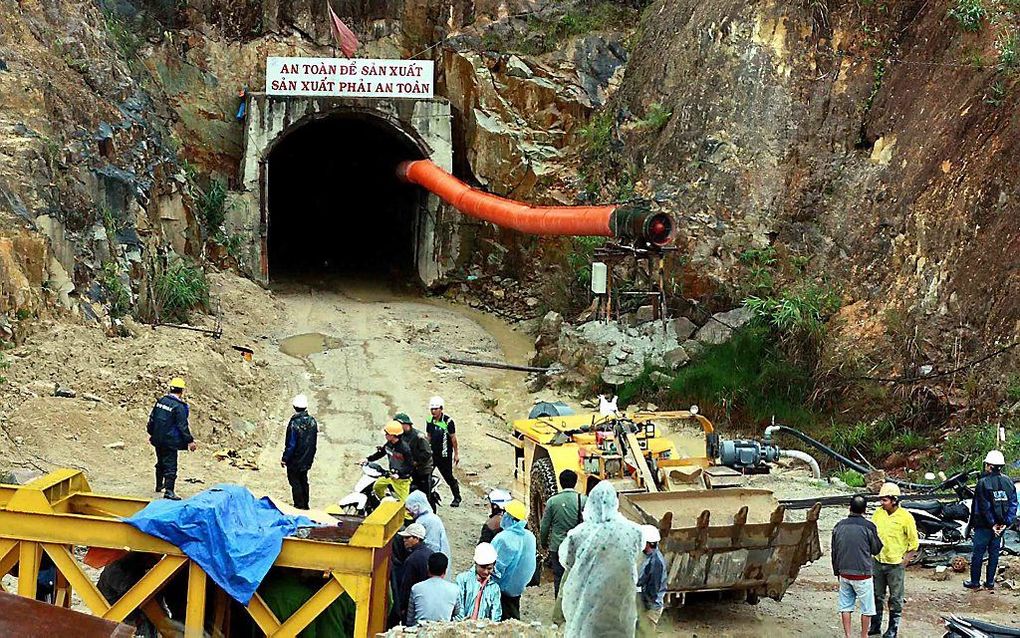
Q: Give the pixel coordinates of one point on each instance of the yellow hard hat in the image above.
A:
(394, 428)
(177, 383)
(889, 489)
(516, 509)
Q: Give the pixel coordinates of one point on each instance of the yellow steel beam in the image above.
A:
(28, 569)
(145, 588)
(194, 617)
(62, 591)
(77, 578)
(113, 507)
(164, 625)
(379, 592)
(380, 526)
(312, 608)
(93, 531)
(359, 588)
(262, 615)
(8, 555)
(221, 621)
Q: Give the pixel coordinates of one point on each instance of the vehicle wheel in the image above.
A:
(542, 488)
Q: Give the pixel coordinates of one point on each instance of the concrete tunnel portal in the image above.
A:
(320, 193)
(335, 204)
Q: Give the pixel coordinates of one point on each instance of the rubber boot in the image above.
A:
(169, 494)
(455, 490)
(894, 627)
(876, 624)
(159, 481)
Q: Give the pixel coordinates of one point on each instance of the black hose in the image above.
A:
(846, 461)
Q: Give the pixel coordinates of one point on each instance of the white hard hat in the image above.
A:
(301, 402)
(500, 497)
(435, 402)
(485, 554)
(889, 489)
(995, 457)
(650, 533)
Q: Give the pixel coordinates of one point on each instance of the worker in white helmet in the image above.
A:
(994, 510)
(652, 575)
(898, 533)
(442, 432)
(299, 450)
(478, 590)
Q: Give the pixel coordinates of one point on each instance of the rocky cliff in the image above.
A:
(871, 146)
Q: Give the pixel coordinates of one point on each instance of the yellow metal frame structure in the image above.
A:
(59, 511)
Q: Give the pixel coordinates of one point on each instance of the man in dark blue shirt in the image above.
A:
(299, 450)
(992, 511)
(169, 433)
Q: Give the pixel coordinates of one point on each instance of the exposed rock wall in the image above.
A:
(860, 135)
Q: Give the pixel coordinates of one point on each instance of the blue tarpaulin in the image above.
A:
(232, 535)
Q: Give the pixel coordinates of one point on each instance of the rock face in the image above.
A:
(720, 327)
(895, 173)
(519, 114)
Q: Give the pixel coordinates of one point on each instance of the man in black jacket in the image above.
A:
(168, 433)
(401, 464)
(416, 565)
(421, 456)
(854, 542)
(299, 450)
(993, 510)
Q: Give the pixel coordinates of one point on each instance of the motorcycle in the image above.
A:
(944, 525)
(957, 627)
(362, 499)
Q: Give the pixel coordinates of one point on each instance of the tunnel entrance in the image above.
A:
(334, 203)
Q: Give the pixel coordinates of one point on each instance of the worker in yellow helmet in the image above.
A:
(401, 465)
(898, 533)
(168, 433)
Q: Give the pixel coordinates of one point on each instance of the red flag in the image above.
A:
(345, 38)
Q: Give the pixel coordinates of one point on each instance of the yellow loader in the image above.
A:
(718, 538)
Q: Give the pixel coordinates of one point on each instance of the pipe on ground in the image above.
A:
(816, 472)
(629, 222)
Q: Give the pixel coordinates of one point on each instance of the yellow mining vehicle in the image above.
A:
(717, 536)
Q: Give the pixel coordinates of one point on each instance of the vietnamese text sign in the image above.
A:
(352, 77)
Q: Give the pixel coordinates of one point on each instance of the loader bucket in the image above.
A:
(733, 540)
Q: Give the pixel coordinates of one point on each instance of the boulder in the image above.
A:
(676, 358)
(719, 329)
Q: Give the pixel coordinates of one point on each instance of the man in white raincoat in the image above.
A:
(601, 555)
(418, 507)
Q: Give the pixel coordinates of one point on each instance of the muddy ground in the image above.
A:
(360, 352)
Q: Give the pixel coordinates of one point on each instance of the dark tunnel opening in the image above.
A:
(336, 206)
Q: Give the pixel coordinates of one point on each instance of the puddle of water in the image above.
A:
(304, 345)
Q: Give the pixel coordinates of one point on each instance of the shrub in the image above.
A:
(1008, 47)
(4, 364)
(656, 117)
(179, 288)
(212, 207)
(117, 294)
(597, 136)
(969, 13)
(798, 311)
(581, 255)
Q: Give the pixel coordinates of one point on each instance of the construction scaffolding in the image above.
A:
(57, 513)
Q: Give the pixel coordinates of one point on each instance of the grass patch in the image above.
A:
(4, 365)
(966, 449)
(597, 136)
(969, 14)
(124, 36)
(852, 478)
(180, 288)
(748, 377)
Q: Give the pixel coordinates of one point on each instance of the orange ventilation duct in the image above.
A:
(625, 222)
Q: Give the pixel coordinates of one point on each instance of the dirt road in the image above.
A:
(361, 352)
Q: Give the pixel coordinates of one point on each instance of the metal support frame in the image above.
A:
(57, 512)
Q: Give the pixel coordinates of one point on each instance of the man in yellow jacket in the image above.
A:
(898, 533)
